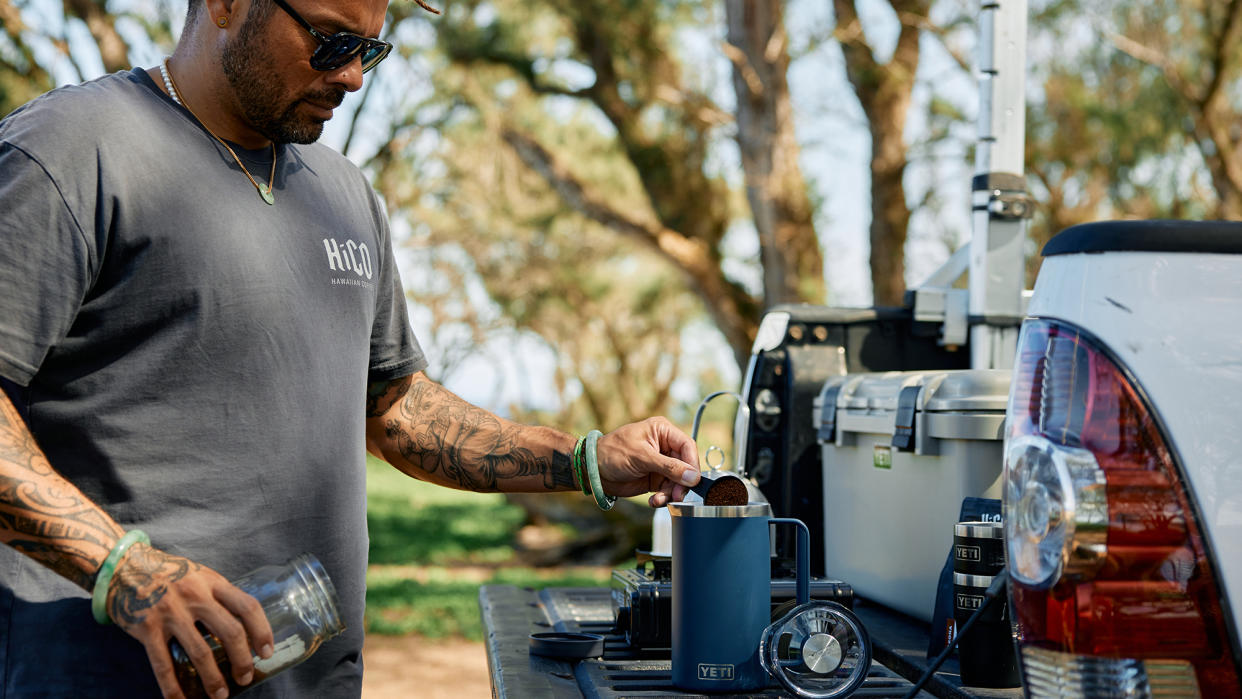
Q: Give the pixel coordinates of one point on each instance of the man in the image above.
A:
(202, 325)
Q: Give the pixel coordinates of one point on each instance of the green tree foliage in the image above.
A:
(22, 77)
(1136, 112)
(565, 168)
(73, 34)
(613, 311)
(592, 98)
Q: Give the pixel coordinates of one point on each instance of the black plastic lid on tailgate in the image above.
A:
(1224, 237)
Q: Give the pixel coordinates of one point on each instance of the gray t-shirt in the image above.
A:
(193, 359)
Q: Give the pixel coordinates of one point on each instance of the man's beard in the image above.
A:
(258, 91)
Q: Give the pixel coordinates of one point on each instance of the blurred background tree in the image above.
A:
(1135, 112)
(595, 200)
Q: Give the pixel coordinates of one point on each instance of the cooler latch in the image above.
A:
(828, 415)
(903, 427)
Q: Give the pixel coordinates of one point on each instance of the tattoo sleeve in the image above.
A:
(43, 515)
(426, 431)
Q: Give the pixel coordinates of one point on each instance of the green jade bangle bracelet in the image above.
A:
(605, 502)
(579, 468)
(99, 596)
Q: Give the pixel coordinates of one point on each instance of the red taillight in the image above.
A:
(1106, 558)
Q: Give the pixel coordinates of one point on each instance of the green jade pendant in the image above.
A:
(266, 192)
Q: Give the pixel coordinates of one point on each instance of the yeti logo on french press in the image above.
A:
(348, 257)
(708, 671)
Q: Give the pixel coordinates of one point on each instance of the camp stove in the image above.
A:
(642, 597)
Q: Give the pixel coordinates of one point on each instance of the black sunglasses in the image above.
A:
(338, 50)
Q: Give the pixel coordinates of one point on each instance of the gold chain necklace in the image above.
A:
(265, 190)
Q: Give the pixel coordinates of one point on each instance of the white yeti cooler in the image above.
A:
(901, 450)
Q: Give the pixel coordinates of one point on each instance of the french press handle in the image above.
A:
(803, 589)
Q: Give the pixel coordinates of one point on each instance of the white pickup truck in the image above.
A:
(1123, 463)
(1118, 457)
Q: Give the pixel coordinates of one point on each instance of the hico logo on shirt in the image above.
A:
(349, 256)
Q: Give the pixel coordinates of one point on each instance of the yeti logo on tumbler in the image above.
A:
(970, 602)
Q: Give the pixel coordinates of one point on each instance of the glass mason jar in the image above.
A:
(300, 603)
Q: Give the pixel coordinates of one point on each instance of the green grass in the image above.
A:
(443, 606)
(412, 522)
(420, 533)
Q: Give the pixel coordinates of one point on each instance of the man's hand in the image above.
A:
(424, 430)
(156, 597)
(649, 456)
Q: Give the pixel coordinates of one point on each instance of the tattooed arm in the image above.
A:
(41, 514)
(431, 434)
(424, 430)
(154, 596)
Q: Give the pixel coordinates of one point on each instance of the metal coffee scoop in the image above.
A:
(717, 488)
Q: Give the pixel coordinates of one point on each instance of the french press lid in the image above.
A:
(818, 650)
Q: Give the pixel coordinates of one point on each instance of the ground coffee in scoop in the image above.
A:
(727, 492)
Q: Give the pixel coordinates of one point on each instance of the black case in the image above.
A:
(781, 384)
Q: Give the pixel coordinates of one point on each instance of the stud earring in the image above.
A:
(223, 21)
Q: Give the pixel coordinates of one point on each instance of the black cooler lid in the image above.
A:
(1223, 237)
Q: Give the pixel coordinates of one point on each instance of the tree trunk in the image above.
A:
(890, 218)
(1213, 124)
(793, 266)
(884, 91)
